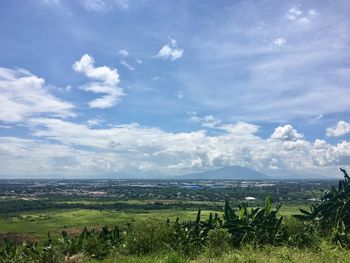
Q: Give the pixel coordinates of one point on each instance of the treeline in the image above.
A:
(328, 220)
(13, 206)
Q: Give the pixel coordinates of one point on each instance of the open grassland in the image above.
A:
(36, 224)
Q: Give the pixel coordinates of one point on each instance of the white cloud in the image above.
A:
(107, 82)
(139, 61)
(238, 129)
(123, 52)
(342, 128)
(139, 148)
(286, 133)
(127, 65)
(170, 51)
(27, 158)
(131, 146)
(95, 5)
(94, 122)
(296, 14)
(206, 121)
(280, 42)
(23, 95)
(102, 6)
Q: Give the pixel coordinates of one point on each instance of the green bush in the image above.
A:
(217, 242)
(148, 238)
(174, 257)
(304, 240)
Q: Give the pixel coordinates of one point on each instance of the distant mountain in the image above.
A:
(228, 173)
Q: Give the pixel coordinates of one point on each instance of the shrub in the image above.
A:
(174, 258)
(148, 238)
(304, 240)
(217, 242)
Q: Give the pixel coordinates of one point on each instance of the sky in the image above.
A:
(96, 89)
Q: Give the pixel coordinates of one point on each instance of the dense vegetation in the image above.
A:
(226, 236)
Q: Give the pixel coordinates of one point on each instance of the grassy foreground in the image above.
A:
(326, 254)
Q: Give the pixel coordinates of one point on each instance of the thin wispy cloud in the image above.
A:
(102, 6)
(127, 65)
(123, 52)
(51, 2)
(24, 95)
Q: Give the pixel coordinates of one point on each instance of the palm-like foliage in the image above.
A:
(90, 242)
(191, 235)
(334, 209)
(259, 225)
(332, 214)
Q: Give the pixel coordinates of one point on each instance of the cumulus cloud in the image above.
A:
(152, 149)
(296, 14)
(23, 95)
(340, 129)
(170, 51)
(286, 133)
(107, 82)
(134, 147)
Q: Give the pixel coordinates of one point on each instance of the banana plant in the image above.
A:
(259, 225)
(332, 214)
(334, 209)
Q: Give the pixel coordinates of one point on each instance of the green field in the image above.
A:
(36, 224)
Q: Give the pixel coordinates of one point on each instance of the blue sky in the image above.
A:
(96, 88)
